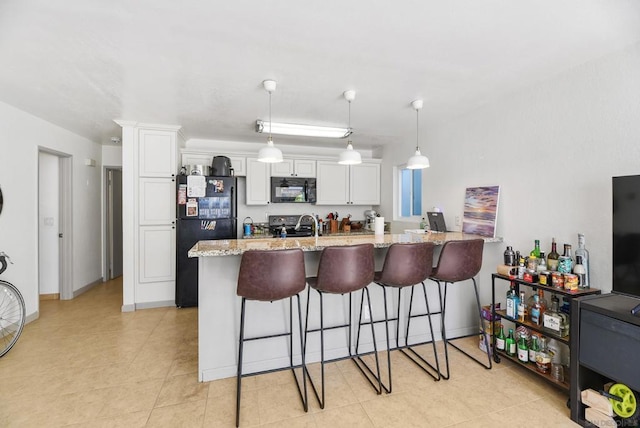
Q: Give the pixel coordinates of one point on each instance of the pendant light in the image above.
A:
(270, 153)
(418, 160)
(349, 156)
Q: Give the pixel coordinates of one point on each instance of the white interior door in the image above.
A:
(48, 224)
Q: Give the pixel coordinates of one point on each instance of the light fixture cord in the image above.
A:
(349, 139)
(269, 115)
(417, 129)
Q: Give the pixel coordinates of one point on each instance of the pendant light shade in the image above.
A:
(418, 160)
(270, 153)
(349, 156)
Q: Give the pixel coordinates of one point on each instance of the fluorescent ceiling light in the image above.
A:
(302, 130)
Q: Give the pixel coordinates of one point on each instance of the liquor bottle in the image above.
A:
(555, 321)
(521, 267)
(536, 310)
(584, 253)
(500, 339)
(581, 272)
(542, 262)
(509, 256)
(522, 308)
(543, 358)
(534, 256)
(541, 300)
(565, 261)
(512, 302)
(510, 344)
(533, 349)
(552, 258)
(536, 249)
(523, 349)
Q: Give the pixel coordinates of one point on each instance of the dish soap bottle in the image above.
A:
(423, 224)
(283, 232)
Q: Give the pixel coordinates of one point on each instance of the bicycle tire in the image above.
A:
(12, 316)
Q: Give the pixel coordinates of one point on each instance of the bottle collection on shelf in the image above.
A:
(545, 353)
(559, 271)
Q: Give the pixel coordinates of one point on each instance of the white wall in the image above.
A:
(553, 148)
(21, 134)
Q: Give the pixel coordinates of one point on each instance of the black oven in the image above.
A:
(293, 189)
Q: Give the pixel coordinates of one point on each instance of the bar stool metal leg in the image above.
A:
(448, 341)
(411, 353)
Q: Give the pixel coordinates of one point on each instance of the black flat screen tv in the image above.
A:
(626, 235)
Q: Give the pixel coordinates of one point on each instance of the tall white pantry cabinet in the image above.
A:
(149, 214)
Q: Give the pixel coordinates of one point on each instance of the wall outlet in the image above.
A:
(458, 221)
(366, 313)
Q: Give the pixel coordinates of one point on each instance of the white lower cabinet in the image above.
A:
(157, 253)
(348, 184)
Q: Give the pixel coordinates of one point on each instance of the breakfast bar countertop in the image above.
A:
(233, 247)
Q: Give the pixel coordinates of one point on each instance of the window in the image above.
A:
(410, 192)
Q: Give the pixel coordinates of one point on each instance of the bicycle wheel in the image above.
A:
(12, 316)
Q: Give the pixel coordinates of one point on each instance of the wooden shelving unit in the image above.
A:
(497, 355)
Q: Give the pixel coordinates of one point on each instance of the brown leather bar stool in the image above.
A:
(268, 276)
(406, 265)
(342, 270)
(460, 261)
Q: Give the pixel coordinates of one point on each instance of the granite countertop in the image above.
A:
(234, 247)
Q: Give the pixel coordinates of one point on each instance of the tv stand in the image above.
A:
(605, 344)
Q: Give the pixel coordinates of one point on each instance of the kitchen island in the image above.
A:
(219, 307)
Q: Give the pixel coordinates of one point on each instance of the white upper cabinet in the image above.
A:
(332, 186)
(239, 165)
(364, 184)
(294, 168)
(258, 182)
(348, 185)
(158, 153)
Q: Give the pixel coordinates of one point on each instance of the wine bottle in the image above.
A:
(552, 258)
(510, 344)
(584, 253)
(533, 349)
(500, 339)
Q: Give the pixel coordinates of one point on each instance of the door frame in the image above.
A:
(108, 221)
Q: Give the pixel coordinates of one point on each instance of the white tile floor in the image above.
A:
(84, 363)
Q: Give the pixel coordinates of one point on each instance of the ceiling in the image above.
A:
(82, 63)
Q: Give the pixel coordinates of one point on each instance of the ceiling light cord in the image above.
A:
(270, 116)
(349, 156)
(418, 160)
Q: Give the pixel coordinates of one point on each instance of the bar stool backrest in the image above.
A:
(271, 275)
(459, 260)
(407, 264)
(345, 269)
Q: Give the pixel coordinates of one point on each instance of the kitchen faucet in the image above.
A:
(315, 222)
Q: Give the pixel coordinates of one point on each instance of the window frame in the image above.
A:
(397, 190)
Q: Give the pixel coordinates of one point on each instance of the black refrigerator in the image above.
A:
(206, 209)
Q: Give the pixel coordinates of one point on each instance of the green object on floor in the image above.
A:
(627, 407)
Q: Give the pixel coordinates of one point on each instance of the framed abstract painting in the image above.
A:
(481, 210)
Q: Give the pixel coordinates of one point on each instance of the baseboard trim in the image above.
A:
(87, 287)
(151, 305)
(50, 296)
(128, 308)
(32, 317)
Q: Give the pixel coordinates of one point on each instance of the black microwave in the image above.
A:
(293, 189)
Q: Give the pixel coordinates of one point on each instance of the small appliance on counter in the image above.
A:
(277, 222)
(221, 166)
(369, 219)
